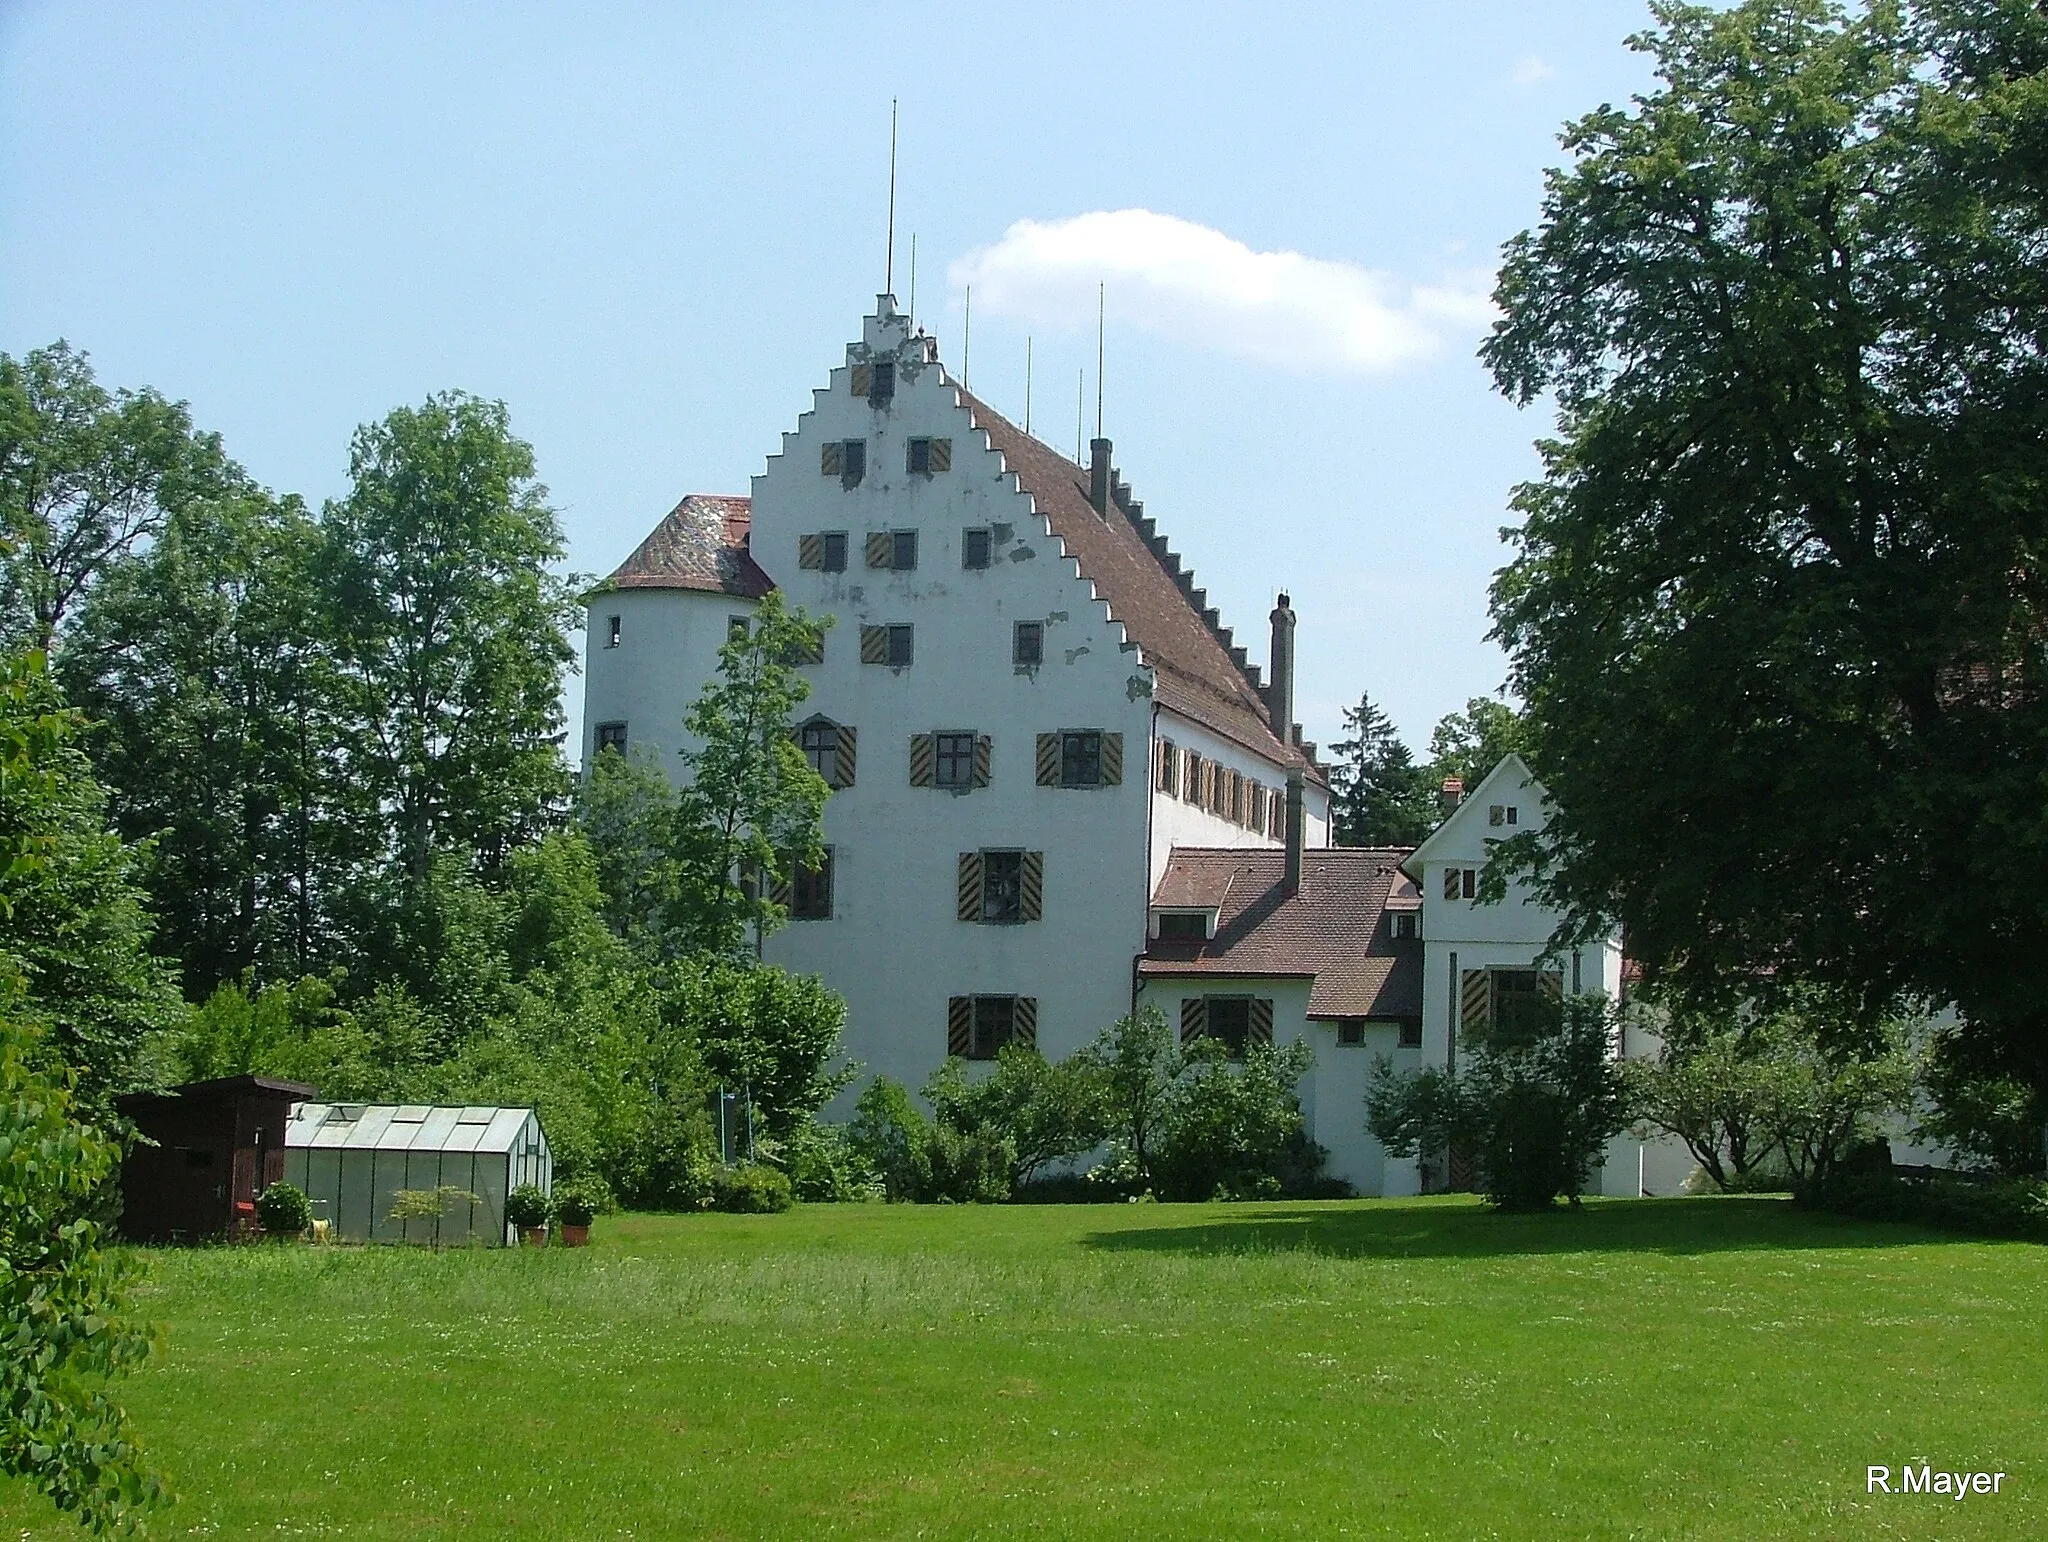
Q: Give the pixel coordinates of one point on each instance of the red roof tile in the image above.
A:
(1329, 929)
(1194, 674)
(702, 544)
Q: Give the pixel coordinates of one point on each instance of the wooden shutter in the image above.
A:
(843, 757)
(863, 379)
(779, 888)
(922, 753)
(970, 886)
(1194, 1018)
(984, 751)
(1032, 885)
(1024, 1024)
(830, 459)
(880, 547)
(1551, 984)
(941, 455)
(1259, 1021)
(1048, 760)
(1475, 1001)
(874, 645)
(810, 551)
(1112, 760)
(1450, 883)
(959, 1025)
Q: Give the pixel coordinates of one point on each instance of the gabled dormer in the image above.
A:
(1508, 801)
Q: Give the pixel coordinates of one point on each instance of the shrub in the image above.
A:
(1045, 1112)
(893, 1139)
(1963, 1202)
(969, 1167)
(752, 1188)
(527, 1207)
(1232, 1131)
(284, 1210)
(825, 1168)
(1533, 1106)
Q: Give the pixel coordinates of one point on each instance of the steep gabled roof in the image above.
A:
(1509, 768)
(702, 545)
(1194, 673)
(1328, 929)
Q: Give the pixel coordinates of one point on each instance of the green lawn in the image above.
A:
(1676, 1368)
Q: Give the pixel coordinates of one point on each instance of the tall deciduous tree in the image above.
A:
(85, 475)
(1381, 797)
(215, 728)
(751, 805)
(449, 632)
(73, 927)
(1470, 743)
(1779, 608)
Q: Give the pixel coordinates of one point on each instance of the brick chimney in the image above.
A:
(1280, 689)
(1291, 874)
(1453, 793)
(1099, 475)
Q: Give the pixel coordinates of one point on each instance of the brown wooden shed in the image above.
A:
(217, 1144)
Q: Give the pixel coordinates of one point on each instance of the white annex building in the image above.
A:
(1060, 787)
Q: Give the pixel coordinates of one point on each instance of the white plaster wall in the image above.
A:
(1333, 1093)
(668, 649)
(1176, 822)
(893, 946)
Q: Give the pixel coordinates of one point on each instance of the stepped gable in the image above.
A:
(1330, 928)
(1195, 671)
(701, 544)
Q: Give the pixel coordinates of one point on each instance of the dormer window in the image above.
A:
(1400, 923)
(1185, 925)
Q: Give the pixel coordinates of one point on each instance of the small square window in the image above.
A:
(1411, 1035)
(1002, 887)
(903, 550)
(881, 384)
(1028, 652)
(811, 891)
(1351, 1032)
(613, 630)
(1081, 759)
(995, 1024)
(953, 760)
(900, 646)
(1400, 923)
(1230, 1019)
(833, 543)
(611, 736)
(976, 548)
(735, 628)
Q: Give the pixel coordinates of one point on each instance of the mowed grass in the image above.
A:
(1711, 1368)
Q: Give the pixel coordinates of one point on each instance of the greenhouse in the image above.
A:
(412, 1172)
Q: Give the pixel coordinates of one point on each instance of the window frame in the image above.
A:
(1002, 905)
(901, 541)
(905, 633)
(831, 542)
(806, 885)
(881, 382)
(1081, 752)
(738, 629)
(1351, 1032)
(853, 462)
(988, 548)
(608, 736)
(1241, 1004)
(1181, 931)
(614, 630)
(978, 1045)
(1035, 630)
(827, 748)
(1168, 779)
(947, 748)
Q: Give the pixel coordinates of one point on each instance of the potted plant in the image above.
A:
(575, 1204)
(526, 1210)
(283, 1210)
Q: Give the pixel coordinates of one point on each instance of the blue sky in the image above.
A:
(652, 229)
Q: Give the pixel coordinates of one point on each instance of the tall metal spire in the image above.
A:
(889, 262)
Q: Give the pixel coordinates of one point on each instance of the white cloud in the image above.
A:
(1531, 68)
(1199, 285)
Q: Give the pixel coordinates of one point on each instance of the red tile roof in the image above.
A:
(702, 544)
(1330, 929)
(1194, 673)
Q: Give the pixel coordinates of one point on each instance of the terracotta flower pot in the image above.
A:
(575, 1236)
(536, 1236)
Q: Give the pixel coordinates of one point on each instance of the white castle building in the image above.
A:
(1060, 788)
